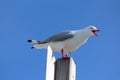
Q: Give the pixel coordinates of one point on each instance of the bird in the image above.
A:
(67, 41)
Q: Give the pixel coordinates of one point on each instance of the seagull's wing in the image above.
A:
(60, 37)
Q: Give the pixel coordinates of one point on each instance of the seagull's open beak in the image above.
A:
(94, 32)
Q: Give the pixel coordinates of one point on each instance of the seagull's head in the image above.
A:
(93, 30)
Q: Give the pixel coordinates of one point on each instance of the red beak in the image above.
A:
(94, 32)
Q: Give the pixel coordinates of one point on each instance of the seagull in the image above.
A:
(67, 41)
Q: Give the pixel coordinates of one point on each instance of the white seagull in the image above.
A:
(67, 41)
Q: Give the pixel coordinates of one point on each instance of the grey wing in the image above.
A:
(60, 37)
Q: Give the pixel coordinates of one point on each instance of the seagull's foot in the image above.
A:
(66, 57)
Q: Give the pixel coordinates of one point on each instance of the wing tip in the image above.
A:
(32, 47)
(29, 40)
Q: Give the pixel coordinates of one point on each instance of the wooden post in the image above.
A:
(65, 69)
(60, 69)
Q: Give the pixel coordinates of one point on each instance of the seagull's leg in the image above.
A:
(62, 51)
(67, 56)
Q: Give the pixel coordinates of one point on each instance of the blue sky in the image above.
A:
(21, 20)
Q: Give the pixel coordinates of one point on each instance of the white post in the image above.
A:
(72, 70)
(50, 65)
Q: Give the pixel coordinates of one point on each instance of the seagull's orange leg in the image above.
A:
(67, 56)
(62, 51)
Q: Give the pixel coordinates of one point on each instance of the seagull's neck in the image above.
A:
(84, 32)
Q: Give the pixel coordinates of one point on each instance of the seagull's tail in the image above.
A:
(34, 41)
(38, 44)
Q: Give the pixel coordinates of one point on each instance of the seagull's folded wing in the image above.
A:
(60, 37)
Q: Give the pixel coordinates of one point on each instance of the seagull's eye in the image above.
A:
(91, 27)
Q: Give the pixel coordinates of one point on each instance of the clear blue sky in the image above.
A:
(20, 20)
